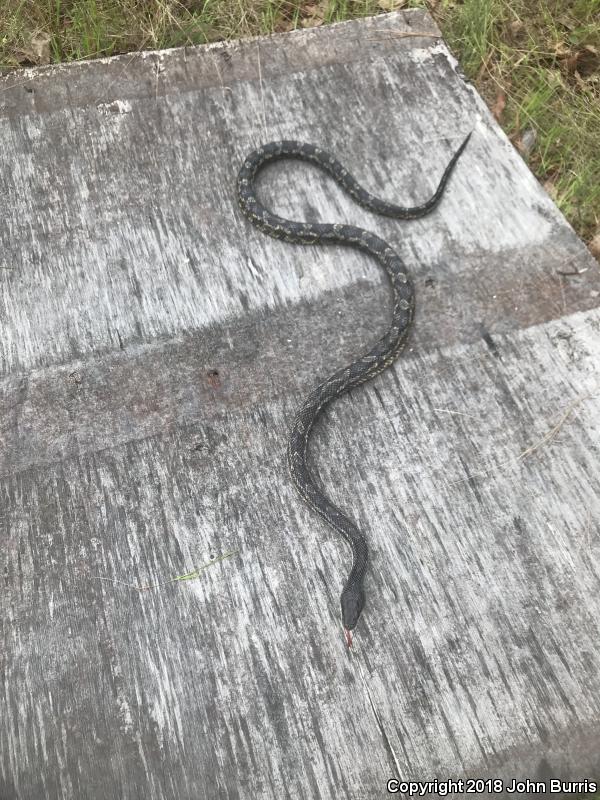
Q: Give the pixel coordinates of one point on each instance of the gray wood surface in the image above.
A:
(153, 349)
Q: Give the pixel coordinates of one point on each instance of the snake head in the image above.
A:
(352, 601)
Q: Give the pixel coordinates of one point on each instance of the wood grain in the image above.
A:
(153, 350)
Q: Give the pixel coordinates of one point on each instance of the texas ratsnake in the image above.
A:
(381, 355)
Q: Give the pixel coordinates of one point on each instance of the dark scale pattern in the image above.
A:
(379, 357)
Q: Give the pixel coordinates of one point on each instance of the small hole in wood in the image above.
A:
(213, 378)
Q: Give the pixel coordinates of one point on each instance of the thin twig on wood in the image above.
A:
(537, 445)
(404, 35)
(188, 576)
(451, 411)
(567, 273)
(553, 431)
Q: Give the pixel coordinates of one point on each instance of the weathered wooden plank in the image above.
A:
(154, 348)
(482, 615)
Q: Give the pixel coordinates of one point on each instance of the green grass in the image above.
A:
(536, 62)
(544, 57)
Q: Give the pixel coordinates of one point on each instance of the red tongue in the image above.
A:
(348, 635)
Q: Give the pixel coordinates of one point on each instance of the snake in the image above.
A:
(380, 356)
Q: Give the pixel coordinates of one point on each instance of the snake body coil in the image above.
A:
(379, 357)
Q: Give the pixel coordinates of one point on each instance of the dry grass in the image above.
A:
(535, 61)
(89, 28)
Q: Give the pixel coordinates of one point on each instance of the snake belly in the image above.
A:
(381, 355)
